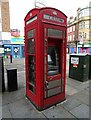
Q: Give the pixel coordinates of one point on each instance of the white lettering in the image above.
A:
(53, 18)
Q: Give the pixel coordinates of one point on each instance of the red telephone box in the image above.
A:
(45, 56)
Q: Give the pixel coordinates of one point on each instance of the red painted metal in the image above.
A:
(38, 22)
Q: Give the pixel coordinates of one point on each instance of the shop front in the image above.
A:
(17, 47)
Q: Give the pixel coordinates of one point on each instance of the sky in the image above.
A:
(19, 9)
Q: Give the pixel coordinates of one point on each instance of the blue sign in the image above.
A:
(17, 40)
(6, 41)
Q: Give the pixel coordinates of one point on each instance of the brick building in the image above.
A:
(79, 31)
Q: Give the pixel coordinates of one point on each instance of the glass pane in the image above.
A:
(31, 46)
(31, 74)
(55, 33)
(53, 60)
(31, 33)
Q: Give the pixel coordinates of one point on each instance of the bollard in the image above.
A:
(2, 82)
(10, 58)
(12, 84)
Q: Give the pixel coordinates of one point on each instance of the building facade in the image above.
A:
(11, 43)
(5, 18)
(81, 42)
(71, 35)
(1, 47)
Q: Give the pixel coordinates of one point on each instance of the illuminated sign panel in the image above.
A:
(53, 18)
(17, 40)
(15, 32)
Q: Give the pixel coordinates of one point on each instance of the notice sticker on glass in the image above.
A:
(74, 60)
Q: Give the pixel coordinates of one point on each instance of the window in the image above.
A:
(31, 46)
(31, 74)
(73, 28)
(73, 37)
(84, 12)
(55, 33)
(81, 25)
(31, 59)
(89, 35)
(70, 37)
(90, 24)
(31, 33)
(85, 35)
(53, 61)
(70, 29)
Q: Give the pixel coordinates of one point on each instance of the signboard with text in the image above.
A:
(17, 40)
(74, 60)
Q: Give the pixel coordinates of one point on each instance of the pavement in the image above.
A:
(16, 105)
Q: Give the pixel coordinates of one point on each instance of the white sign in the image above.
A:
(81, 40)
(53, 18)
(74, 60)
(1, 50)
(6, 36)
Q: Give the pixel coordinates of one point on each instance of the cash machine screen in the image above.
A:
(53, 61)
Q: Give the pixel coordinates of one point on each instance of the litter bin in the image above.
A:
(12, 79)
(89, 66)
(79, 67)
(2, 82)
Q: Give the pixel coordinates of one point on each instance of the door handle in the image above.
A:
(46, 84)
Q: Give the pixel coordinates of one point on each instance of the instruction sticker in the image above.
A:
(74, 60)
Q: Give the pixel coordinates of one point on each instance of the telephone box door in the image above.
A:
(54, 61)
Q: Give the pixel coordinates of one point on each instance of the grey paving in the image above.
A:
(0, 112)
(81, 111)
(0, 99)
(6, 112)
(57, 112)
(70, 103)
(71, 90)
(82, 96)
(15, 105)
(14, 96)
(25, 109)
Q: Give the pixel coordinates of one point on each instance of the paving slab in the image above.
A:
(9, 97)
(5, 112)
(71, 90)
(0, 99)
(82, 111)
(35, 114)
(82, 97)
(57, 112)
(21, 79)
(24, 109)
(70, 103)
(82, 86)
(72, 82)
(0, 112)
